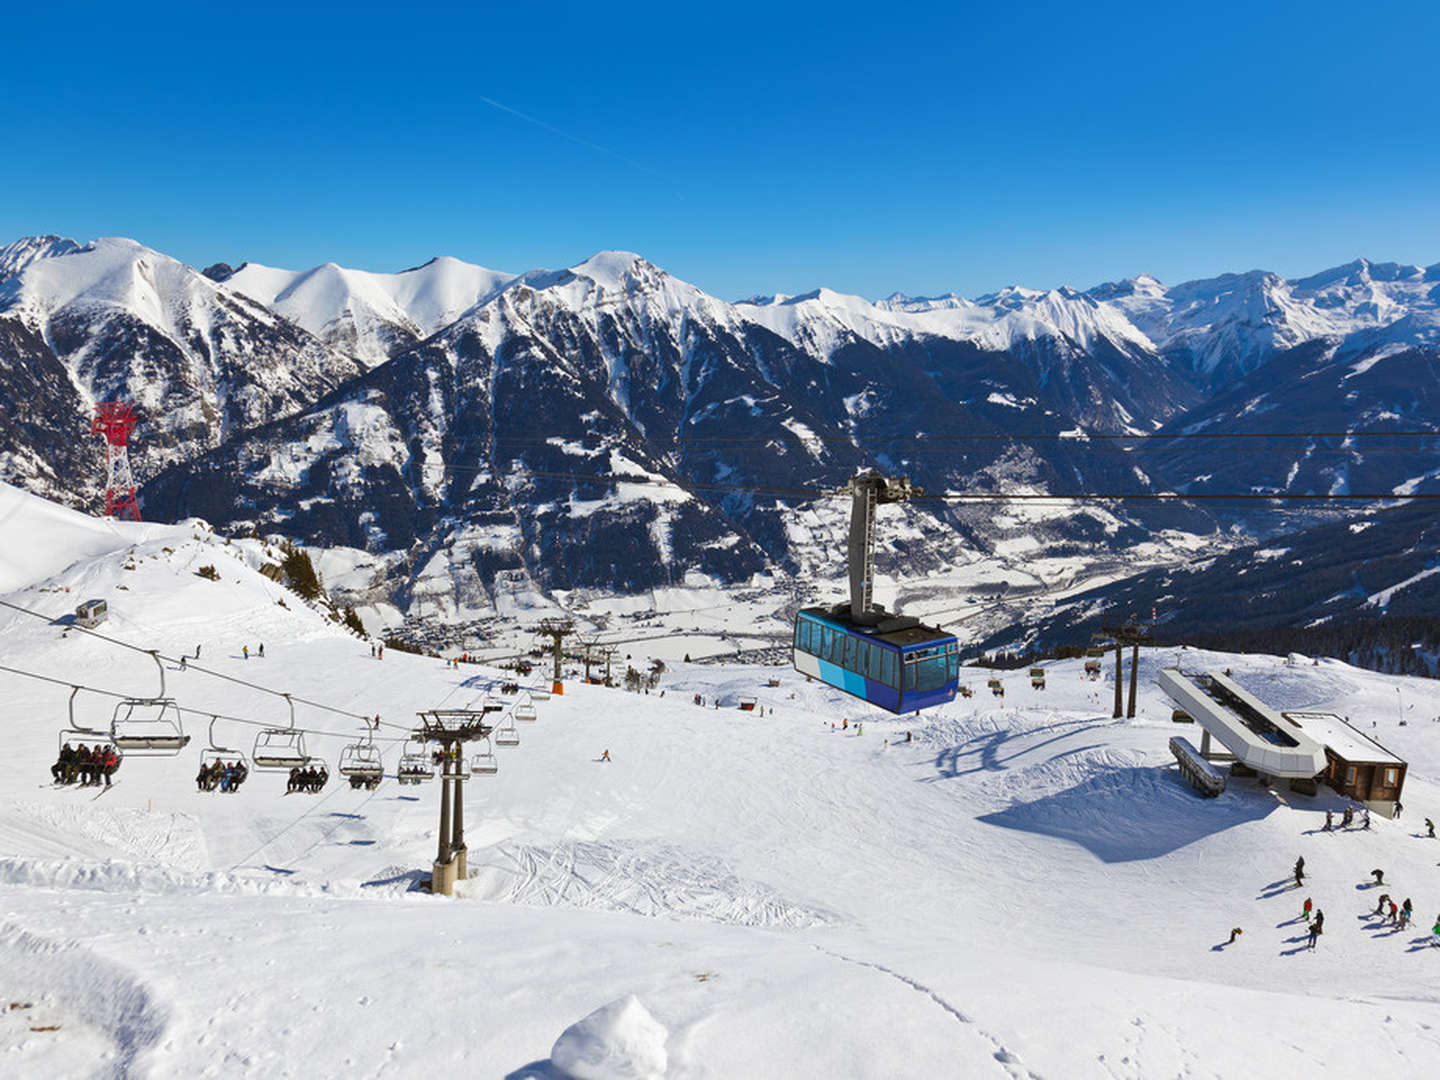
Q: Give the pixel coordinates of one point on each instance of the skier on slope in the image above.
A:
(1329, 820)
(1299, 871)
(1305, 911)
(1380, 907)
(1315, 932)
(1379, 876)
(605, 756)
(1430, 828)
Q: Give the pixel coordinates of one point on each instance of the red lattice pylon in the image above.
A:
(114, 420)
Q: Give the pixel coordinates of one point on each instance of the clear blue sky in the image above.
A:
(745, 147)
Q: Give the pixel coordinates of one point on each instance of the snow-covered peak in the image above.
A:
(112, 273)
(366, 313)
(823, 319)
(1232, 323)
(18, 254)
(615, 270)
(949, 301)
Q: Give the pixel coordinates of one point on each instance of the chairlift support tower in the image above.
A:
(113, 421)
(557, 630)
(452, 729)
(1132, 634)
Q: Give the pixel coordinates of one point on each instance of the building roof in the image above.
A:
(907, 633)
(1345, 741)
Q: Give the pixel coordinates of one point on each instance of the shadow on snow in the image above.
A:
(1133, 813)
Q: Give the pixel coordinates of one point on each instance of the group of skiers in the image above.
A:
(219, 775)
(309, 780)
(1346, 819)
(1398, 916)
(87, 764)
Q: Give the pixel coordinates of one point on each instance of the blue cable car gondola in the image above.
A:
(893, 662)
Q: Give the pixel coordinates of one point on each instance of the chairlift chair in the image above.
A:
(361, 763)
(506, 735)
(539, 693)
(483, 763)
(214, 753)
(415, 766)
(148, 727)
(280, 749)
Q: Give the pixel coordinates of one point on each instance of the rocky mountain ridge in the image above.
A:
(608, 426)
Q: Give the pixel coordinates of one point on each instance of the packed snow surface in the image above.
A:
(1016, 887)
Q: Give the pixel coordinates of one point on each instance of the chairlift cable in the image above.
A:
(191, 666)
(192, 711)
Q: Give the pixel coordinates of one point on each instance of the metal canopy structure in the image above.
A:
(1258, 736)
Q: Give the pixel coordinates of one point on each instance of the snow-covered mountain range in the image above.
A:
(448, 419)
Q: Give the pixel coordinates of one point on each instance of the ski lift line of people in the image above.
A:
(190, 665)
(1235, 498)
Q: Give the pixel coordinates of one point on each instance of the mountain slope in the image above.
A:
(114, 319)
(366, 315)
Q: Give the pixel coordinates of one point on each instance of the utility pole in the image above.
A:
(1134, 635)
(451, 729)
(557, 630)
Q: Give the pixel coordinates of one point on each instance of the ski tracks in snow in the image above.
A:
(649, 879)
(106, 995)
(1007, 1060)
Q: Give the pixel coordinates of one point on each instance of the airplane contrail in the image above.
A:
(573, 138)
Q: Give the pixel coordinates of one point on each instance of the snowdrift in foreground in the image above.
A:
(619, 1041)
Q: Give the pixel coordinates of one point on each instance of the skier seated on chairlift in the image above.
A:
(109, 762)
(60, 770)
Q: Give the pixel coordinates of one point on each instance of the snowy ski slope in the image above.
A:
(1026, 889)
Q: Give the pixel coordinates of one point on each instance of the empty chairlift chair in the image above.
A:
(505, 734)
(280, 749)
(524, 709)
(484, 763)
(149, 727)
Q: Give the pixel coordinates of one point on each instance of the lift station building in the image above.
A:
(1302, 747)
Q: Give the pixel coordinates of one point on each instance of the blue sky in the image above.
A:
(745, 147)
